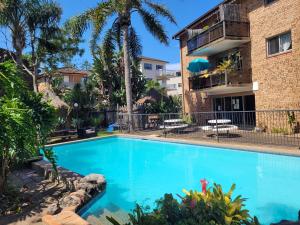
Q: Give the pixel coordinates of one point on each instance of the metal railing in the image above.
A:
(217, 31)
(198, 82)
(273, 127)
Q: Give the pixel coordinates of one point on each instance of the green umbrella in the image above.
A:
(198, 65)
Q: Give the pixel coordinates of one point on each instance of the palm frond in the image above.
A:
(161, 10)
(108, 46)
(99, 17)
(154, 26)
(135, 47)
(77, 25)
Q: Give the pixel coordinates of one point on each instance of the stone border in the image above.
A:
(83, 190)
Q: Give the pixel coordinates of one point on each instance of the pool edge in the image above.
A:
(277, 150)
(268, 149)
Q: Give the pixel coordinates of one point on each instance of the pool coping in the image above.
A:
(268, 149)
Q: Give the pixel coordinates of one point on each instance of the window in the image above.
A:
(280, 43)
(267, 2)
(159, 67)
(147, 66)
(66, 79)
(179, 84)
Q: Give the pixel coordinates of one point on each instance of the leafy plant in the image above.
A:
(292, 121)
(279, 130)
(26, 120)
(209, 207)
(226, 66)
(49, 154)
(187, 119)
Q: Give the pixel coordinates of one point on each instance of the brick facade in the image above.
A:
(278, 76)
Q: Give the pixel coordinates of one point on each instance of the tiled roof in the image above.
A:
(70, 70)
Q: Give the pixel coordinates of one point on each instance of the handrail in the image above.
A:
(208, 36)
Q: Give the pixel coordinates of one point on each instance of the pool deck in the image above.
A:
(271, 149)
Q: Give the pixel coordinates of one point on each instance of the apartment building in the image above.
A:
(151, 67)
(172, 83)
(156, 69)
(261, 38)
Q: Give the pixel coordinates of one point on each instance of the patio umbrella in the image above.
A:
(198, 65)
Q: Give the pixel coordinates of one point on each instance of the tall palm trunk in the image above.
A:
(127, 76)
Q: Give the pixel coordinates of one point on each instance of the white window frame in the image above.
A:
(148, 68)
(279, 47)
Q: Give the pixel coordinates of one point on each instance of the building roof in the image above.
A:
(153, 59)
(73, 71)
(202, 17)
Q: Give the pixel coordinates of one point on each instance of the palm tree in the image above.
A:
(120, 12)
(33, 24)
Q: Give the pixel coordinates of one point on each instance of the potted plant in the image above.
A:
(292, 121)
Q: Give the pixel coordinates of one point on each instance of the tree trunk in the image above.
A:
(18, 45)
(19, 60)
(34, 79)
(127, 76)
(3, 174)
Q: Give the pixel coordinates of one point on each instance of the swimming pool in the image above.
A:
(143, 170)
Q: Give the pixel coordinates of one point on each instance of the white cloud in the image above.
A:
(173, 66)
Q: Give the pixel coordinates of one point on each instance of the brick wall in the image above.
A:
(192, 100)
(278, 76)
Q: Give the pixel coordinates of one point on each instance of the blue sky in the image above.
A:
(185, 12)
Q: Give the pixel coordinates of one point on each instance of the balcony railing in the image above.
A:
(223, 29)
(199, 83)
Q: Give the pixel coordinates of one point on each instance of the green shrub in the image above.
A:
(276, 130)
(209, 207)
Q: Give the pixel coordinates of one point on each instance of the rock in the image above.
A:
(69, 201)
(92, 184)
(80, 194)
(94, 179)
(53, 209)
(87, 187)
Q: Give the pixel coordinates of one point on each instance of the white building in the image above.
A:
(172, 82)
(156, 69)
(152, 68)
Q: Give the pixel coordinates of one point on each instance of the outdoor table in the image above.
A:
(219, 121)
(173, 121)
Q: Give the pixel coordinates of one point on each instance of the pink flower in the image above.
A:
(204, 184)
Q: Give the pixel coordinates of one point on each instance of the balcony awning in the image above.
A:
(198, 65)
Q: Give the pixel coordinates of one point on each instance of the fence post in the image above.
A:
(165, 133)
(216, 118)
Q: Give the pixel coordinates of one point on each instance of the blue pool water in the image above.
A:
(142, 171)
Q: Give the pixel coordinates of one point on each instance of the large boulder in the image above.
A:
(92, 184)
(94, 179)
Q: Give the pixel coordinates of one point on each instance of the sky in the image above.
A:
(185, 11)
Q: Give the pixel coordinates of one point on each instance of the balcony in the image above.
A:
(217, 84)
(218, 38)
(199, 83)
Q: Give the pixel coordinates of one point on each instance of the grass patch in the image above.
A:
(104, 133)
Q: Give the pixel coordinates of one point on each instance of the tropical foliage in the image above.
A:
(120, 12)
(209, 207)
(109, 76)
(26, 121)
(34, 25)
(166, 104)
